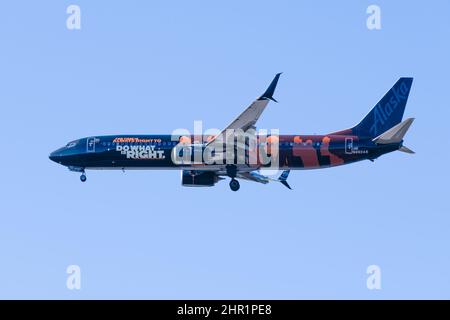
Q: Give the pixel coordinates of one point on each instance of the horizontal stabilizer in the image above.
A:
(405, 149)
(394, 134)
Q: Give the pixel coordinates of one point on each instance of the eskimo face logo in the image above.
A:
(386, 107)
(140, 152)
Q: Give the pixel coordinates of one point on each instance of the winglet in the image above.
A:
(268, 95)
(283, 179)
(286, 184)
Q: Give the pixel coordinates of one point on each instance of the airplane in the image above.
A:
(381, 131)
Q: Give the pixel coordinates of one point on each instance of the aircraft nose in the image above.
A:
(55, 156)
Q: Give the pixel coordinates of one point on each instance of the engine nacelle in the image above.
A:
(192, 178)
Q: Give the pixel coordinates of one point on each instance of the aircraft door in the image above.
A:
(348, 145)
(90, 144)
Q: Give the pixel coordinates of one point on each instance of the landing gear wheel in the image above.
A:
(83, 177)
(234, 185)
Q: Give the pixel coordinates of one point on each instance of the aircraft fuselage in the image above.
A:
(296, 152)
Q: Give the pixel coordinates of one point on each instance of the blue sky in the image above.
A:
(146, 67)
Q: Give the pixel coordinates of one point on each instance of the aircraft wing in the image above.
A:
(249, 176)
(257, 177)
(250, 116)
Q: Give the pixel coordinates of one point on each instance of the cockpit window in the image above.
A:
(72, 144)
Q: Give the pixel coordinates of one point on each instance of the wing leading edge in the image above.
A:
(250, 116)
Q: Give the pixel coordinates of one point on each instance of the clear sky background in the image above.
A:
(143, 67)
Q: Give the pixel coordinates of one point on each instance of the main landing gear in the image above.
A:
(83, 177)
(232, 172)
(234, 185)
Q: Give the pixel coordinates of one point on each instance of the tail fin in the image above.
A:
(283, 179)
(388, 112)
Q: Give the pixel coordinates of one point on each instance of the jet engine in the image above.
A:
(192, 178)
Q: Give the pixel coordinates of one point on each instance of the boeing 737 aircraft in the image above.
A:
(205, 160)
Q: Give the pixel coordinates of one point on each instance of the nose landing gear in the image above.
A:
(83, 177)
